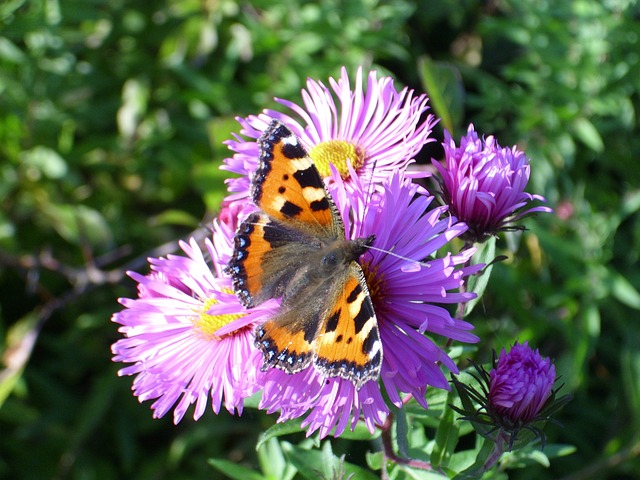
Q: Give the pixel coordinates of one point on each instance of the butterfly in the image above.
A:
(295, 249)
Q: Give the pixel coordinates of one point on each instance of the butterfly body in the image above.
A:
(295, 249)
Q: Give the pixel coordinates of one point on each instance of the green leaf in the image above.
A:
(446, 437)
(461, 461)
(459, 381)
(524, 457)
(540, 457)
(436, 398)
(314, 464)
(8, 50)
(17, 349)
(293, 426)
(374, 460)
(556, 450)
(279, 429)
(233, 470)
(45, 161)
(92, 226)
(419, 474)
(588, 134)
(175, 217)
(478, 283)
(630, 366)
(135, 97)
(361, 432)
(9, 7)
(477, 468)
(77, 223)
(630, 204)
(623, 290)
(273, 463)
(402, 432)
(443, 84)
(253, 401)
(208, 179)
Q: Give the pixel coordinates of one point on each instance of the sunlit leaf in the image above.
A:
(588, 133)
(46, 161)
(17, 349)
(273, 462)
(279, 429)
(477, 283)
(312, 464)
(443, 84)
(233, 470)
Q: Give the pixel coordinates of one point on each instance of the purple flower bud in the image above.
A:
(511, 404)
(483, 184)
(520, 384)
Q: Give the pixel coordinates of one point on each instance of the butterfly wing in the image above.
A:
(288, 187)
(288, 340)
(298, 217)
(348, 343)
(296, 249)
(267, 256)
(333, 325)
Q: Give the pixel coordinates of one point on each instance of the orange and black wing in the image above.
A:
(335, 328)
(348, 343)
(267, 255)
(288, 187)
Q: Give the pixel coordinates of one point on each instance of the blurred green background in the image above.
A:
(112, 115)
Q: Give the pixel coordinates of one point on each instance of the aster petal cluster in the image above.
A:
(185, 337)
(375, 131)
(483, 184)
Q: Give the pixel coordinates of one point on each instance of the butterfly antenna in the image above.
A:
(371, 189)
(414, 265)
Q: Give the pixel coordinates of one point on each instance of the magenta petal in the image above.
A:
(174, 361)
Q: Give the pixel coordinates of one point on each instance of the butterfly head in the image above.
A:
(345, 252)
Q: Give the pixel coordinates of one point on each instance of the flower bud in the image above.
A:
(515, 399)
(520, 384)
(483, 185)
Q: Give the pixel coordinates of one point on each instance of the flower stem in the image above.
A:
(497, 452)
(390, 455)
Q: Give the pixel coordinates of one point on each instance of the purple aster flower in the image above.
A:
(515, 399)
(405, 287)
(376, 131)
(483, 184)
(186, 335)
(520, 384)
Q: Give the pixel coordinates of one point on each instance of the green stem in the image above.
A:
(390, 455)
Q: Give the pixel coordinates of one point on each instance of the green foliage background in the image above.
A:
(112, 115)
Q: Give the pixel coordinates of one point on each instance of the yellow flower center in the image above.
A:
(340, 153)
(208, 324)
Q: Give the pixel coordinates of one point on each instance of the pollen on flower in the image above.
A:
(340, 153)
(209, 324)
